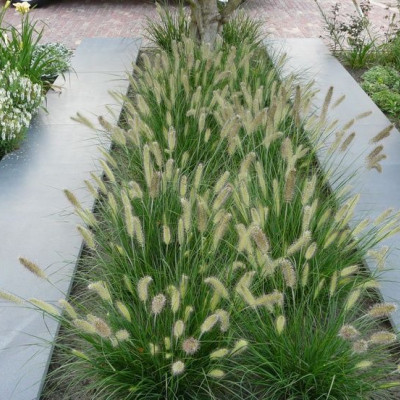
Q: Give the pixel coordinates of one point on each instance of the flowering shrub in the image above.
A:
(19, 100)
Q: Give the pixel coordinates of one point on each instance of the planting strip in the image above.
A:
(311, 60)
(36, 220)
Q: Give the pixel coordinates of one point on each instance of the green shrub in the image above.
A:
(388, 101)
(383, 85)
(55, 57)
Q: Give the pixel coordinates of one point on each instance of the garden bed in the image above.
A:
(203, 236)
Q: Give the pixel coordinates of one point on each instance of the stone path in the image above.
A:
(69, 21)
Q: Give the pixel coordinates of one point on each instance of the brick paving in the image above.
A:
(69, 21)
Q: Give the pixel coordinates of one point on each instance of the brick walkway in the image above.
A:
(69, 21)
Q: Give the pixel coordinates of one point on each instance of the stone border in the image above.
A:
(310, 59)
(36, 220)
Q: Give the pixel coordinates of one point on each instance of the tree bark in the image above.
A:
(207, 20)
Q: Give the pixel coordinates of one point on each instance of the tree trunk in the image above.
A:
(207, 20)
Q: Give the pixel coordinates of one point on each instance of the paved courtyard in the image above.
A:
(69, 21)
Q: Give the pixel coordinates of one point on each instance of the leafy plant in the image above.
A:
(55, 58)
(19, 45)
(351, 37)
(383, 85)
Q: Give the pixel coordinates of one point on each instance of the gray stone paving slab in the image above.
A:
(77, 94)
(311, 60)
(106, 55)
(36, 220)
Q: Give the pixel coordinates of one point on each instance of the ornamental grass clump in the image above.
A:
(221, 263)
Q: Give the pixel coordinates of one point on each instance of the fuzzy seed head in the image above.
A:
(188, 312)
(209, 323)
(197, 177)
(179, 328)
(348, 332)
(240, 346)
(309, 189)
(304, 239)
(46, 307)
(166, 235)
(158, 304)
(352, 269)
(202, 218)
(32, 267)
(181, 232)
(260, 239)
(87, 237)
(142, 288)
(122, 335)
(10, 297)
(280, 324)
(360, 346)
(305, 274)
(382, 134)
(137, 227)
(220, 353)
(363, 364)
(190, 346)
(101, 289)
(216, 374)
(222, 197)
(224, 319)
(84, 326)
(175, 298)
(218, 286)
(352, 299)
(382, 310)
(171, 139)
(288, 272)
(123, 310)
(154, 349)
(135, 191)
(186, 214)
(101, 327)
(178, 367)
(68, 308)
(383, 337)
(290, 185)
(72, 199)
(221, 228)
(311, 251)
